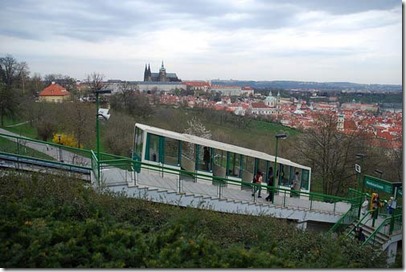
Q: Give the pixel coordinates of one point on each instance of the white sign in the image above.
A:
(358, 168)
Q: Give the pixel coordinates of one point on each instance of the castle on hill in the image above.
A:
(161, 76)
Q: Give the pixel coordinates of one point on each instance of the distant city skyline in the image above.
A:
(299, 40)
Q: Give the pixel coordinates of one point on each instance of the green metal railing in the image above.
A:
(349, 217)
(41, 150)
(387, 227)
(314, 198)
(363, 221)
(127, 164)
(356, 198)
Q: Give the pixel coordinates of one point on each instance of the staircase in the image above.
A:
(167, 188)
(379, 236)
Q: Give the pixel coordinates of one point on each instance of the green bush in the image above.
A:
(54, 222)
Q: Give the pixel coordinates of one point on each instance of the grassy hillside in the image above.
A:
(56, 222)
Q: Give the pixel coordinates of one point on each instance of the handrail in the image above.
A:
(340, 221)
(44, 160)
(368, 213)
(346, 216)
(378, 229)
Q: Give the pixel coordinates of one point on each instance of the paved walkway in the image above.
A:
(55, 152)
(167, 181)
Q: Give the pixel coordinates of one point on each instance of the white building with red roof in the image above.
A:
(54, 93)
(197, 85)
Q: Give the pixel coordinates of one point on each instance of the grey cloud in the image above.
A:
(340, 7)
(96, 20)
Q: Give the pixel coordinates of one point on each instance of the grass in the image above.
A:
(12, 147)
(22, 130)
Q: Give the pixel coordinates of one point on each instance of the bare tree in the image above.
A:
(79, 120)
(330, 154)
(11, 74)
(95, 81)
(118, 134)
(131, 101)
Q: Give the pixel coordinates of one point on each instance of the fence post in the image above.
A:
(219, 189)
(284, 199)
(179, 183)
(311, 202)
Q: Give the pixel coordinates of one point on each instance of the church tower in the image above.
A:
(145, 73)
(149, 77)
(270, 101)
(162, 73)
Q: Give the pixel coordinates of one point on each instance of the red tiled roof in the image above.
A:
(197, 83)
(247, 88)
(54, 90)
(259, 105)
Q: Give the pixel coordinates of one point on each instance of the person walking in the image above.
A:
(364, 207)
(295, 185)
(206, 158)
(257, 184)
(375, 205)
(270, 184)
(359, 235)
(391, 205)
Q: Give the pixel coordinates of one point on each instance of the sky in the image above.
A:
(356, 41)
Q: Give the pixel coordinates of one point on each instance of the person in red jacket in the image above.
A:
(257, 183)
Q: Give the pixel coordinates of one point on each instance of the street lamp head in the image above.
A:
(378, 171)
(281, 136)
(104, 113)
(360, 155)
(102, 91)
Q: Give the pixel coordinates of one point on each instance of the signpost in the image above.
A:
(358, 168)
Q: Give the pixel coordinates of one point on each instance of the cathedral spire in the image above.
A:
(145, 73)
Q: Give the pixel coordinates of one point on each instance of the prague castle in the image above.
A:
(162, 76)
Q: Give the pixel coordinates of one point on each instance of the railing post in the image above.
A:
(284, 199)
(219, 190)
(179, 184)
(392, 223)
(311, 202)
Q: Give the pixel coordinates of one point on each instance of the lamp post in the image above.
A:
(97, 92)
(277, 137)
(359, 176)
(359, 171)
(60, 151)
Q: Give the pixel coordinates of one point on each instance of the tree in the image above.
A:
(95, 82)
(197, 128)
(45, 118)
(79, 119)
(12, 73)
(129, 100)
(119, 144)
(330, 154)
(35, 85)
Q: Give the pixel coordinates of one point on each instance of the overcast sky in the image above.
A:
(307, 40)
